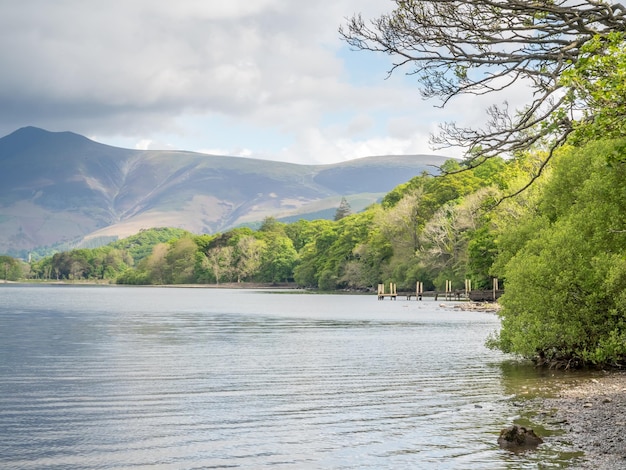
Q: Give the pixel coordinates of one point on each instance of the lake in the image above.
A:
(107, 377)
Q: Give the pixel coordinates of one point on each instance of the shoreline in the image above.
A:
(592, 417)
(225, 285)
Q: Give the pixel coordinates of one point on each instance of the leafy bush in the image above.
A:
(566, 286)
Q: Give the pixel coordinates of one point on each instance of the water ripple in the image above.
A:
(161, 378)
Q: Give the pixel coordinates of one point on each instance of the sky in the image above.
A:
(266, 79)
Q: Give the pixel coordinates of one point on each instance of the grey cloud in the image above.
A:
(132, 65)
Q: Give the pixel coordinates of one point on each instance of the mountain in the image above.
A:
(60, 187)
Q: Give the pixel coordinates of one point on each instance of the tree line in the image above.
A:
(429, 229)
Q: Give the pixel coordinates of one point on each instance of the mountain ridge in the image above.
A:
(60, 187)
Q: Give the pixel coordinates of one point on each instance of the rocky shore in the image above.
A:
(592, 415)
(492, 307)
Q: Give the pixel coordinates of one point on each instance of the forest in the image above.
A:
(539, 201)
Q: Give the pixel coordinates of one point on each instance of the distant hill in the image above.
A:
(60, 187)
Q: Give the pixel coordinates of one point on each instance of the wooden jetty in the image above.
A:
(450, 294)
(485, 295)
(392, 294)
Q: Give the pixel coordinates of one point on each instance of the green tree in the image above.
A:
(155, 265)
(305, 272)
(314, 254)
(180, 259)
(42, 269)
(352, 231)
(204, 242)
(343, 210)
(482, 250)
(115, 262)
(304, 231)
(565, 301)
(401, 223)
(11, 269)
(108, 262)
(71, 265)
(247, 257)
(346, 253)
(369, 262)
(219, 260)
(270, 225)
(278, 260)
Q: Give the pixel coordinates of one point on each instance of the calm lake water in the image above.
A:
(190, 378)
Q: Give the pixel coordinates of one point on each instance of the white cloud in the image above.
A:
(149, 144)
(314, 146)
(231, 152)
(143, 144)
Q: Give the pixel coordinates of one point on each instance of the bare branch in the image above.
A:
(457, 47)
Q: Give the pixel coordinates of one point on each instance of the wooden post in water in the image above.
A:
(495, 288)
(419, 290)
(393, 291)
(468, 288)
(448, 290)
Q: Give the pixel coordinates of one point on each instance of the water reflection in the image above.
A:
(524, 380)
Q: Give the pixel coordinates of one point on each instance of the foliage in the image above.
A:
(597, 84)
(393, 241)
(180, 260)
(304, 231)
(270, 224)
(565, 294)
(106, 262)
(343, 254)
(446, 237)
(140, 245)
(247, 257)
(219, 260)
(278, 260)
(482, 250)
(11, 269)
(100, 263)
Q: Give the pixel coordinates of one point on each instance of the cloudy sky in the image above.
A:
(261, 78)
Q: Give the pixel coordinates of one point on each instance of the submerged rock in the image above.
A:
(518, 438)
